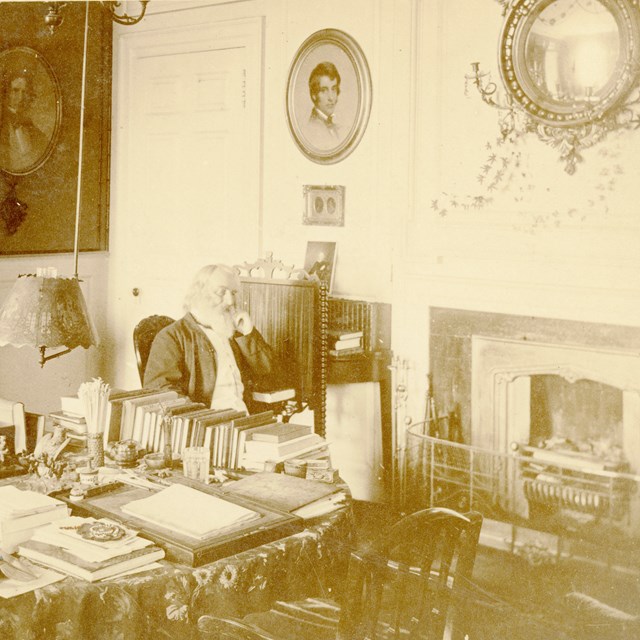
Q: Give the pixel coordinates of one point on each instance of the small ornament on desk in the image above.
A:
(323, 475)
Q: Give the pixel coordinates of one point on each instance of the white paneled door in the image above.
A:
(186, 188)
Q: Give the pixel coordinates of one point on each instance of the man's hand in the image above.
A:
(243, 323)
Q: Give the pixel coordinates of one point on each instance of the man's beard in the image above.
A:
(219, 319)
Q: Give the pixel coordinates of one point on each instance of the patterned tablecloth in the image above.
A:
(167, 602)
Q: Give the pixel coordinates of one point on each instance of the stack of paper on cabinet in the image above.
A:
(90, 549)
(22, 511)
(189, 512)
(304, 498)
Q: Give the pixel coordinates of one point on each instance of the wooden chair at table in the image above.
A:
(405, 587)
(143, 334)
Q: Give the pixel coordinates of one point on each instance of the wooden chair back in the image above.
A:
(143, 334)
(405, 589)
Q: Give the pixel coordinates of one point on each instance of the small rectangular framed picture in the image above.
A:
(324, 205)
(320, 260)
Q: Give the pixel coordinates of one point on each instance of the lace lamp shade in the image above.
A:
(46, 312)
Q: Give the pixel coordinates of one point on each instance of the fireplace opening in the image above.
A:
(583, 416)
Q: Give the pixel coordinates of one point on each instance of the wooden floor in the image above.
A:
(515, 601)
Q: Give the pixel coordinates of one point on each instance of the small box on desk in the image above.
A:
(323, 475)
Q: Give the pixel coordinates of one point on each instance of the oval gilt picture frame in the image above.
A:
(31, 110)
(328, 98)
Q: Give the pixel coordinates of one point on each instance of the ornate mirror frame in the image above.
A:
(570, 128)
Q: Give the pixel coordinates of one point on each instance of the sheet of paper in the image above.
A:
(10, 588)
(189, 511)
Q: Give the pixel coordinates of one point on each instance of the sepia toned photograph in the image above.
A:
(31, 110)
(328, 96)
(211, 428)
(320, 260)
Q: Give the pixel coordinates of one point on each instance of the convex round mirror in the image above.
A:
(568, 62)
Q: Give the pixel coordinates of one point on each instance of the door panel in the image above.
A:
(187, 184)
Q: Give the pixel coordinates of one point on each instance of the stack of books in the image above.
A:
(90, 549)
(345, 343)
(279, 442)
(71, 417)
(21, 512)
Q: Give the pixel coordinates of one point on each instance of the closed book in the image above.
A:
(281, 432)
(244, 426)
(69, 417)
(72, 405)
(268, 450)
(113, 414)
(69, 425)
(343, 334)
(348, 343)
(314, 451)
(277, 395)
(130, 427)
(7, 525)
(280, 491)
(345, 353)
(15, 502)
(63, 560)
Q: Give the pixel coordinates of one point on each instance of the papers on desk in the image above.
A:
(10, 587)
(15, 503)
(22, 511)
(57, 546)
(189, 512)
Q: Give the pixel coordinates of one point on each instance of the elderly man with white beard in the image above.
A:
(213, 354)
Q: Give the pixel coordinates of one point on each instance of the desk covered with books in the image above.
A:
(165, 602)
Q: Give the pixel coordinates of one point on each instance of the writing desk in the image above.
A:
(167, 602)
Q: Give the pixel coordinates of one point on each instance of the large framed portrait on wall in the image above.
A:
(328, 96)
(30, 110)
(41, 86)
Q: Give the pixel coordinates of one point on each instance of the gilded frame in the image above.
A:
(353, 104)
(324, 205)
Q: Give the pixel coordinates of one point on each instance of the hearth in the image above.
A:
(573, 464)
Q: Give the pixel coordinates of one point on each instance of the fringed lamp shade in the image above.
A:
(46, 312)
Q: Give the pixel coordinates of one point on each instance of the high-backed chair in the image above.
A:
(143, 334)
(290, 309)
(407, 587)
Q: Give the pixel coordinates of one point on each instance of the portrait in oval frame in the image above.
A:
(30, 110)
(328, 96)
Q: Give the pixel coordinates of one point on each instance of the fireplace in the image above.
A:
(507, 379)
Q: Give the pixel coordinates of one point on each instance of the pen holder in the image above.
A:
(95, 449)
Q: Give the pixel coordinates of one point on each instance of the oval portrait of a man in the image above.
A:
(328, 96)
(31, 110)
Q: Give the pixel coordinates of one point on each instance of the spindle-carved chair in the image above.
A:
(405, 587)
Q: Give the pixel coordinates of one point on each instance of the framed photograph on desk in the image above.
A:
(320, 260)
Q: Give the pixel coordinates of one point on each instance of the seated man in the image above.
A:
(213, 354)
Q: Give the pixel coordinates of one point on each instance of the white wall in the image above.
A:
(549, 244)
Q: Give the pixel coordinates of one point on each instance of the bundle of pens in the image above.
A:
(94, 396)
